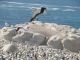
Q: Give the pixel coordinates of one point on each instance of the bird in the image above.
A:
(37, 12)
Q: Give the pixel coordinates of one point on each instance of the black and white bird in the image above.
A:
(37, 12)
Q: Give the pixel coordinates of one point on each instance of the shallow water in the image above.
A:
(20, 12)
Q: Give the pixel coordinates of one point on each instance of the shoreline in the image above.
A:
(39, 41)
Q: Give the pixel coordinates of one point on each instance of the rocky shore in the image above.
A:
(39, 41)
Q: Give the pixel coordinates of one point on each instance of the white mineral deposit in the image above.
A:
(39, 41)
(55, 42)
(9, 48)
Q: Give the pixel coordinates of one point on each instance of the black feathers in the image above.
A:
(40, 11)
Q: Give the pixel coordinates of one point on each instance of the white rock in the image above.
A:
(22, 37)
(49, 24)
(72, 43)
(38, 39)
(78, 32)
(8, 33)
(43, 29)
(73, 30)
(55, 42)
(22, 30)
(6, 24)
(37, 22)
(20, 25)
(9, 48)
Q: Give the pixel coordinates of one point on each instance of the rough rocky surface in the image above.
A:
(39, 41)
(27, 52)
(55, 42)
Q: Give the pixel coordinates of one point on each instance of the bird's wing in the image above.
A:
(35, 11)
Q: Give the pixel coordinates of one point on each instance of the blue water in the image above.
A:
(61, 12)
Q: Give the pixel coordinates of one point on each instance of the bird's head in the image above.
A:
(43, 8)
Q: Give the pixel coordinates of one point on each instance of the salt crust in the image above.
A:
(9, 48)
(37, 33)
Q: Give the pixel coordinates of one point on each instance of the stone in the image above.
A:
(38, 39)
(22, 37)
(9, 48)
(8, 33)
(55, 42)
(72, 43)
(48, 31)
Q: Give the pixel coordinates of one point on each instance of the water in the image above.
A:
(15, 12)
